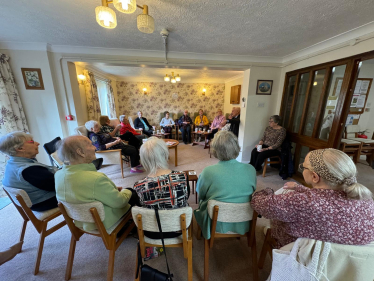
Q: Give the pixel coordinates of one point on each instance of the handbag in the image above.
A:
(148, 273)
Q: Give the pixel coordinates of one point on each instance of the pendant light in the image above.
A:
(125, 6)
(105, 16)
(145, 22)
(178, 78)
(166, 78)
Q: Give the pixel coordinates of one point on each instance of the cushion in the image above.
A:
(349, 141)
(42, 215)
(57, 161)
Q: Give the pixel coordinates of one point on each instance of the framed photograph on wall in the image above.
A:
(264, 87)
(33, 78)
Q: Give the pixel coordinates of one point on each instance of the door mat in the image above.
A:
(4, 201)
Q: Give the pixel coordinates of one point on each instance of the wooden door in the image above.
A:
(235, 94)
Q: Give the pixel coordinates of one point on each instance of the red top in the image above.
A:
(127, 127)
(321, 214)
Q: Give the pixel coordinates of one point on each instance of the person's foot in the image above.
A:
(139, 166)
(136, 171)
(185, 142)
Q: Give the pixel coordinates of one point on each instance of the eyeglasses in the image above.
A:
(302, 168)
(30, 141)
(271, 121)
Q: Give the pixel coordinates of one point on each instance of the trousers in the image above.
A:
(186, 134)
(258, 158)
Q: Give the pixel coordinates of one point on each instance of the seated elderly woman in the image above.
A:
(104, 141)
(201, 121)
(23, 171)
(167, 124)
(126, 127)
(79, 182)
(336, 209)
(228, 181)
(106, 128)
(162, 188)
(270, 144)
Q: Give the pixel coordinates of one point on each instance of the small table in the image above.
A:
(161, 135)
(201, 133)
(175, 146)
(193, 179)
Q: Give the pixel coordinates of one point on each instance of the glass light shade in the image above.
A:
(173, 80)
(106, 17)
(204, 90)
(178, 78)
(145, 23)
(81, 77)
(144, 89)
(166, 78)
(125, 6)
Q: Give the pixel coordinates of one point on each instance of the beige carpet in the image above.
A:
(230, 259)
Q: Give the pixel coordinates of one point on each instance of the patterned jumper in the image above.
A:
(321, 214)
(273, 137)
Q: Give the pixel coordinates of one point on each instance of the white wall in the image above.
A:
(40, 106)
(227, 107)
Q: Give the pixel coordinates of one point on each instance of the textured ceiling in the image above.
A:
(241, 27)
(147, 74)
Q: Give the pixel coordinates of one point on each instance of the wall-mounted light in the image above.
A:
(145, 91)
(204, 91)
(81, 79)
(315, 84)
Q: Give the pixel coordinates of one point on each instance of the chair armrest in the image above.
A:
(139, 131)
(108, 150)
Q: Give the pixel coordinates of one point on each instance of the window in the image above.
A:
(102, 91)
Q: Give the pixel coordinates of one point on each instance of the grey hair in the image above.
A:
(154, 155)
(276, 118)
(341, 166)
(225, 146)
(67, 148)
(121, 118)
(90, 124)
(12, 141)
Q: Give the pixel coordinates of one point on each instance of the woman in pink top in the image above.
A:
(217, 124)
(336, 209)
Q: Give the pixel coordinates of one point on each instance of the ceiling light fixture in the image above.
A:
(106, 17)
(173, 79)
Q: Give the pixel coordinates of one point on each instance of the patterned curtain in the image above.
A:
(111, 102)
(93, 104)
(12, 117)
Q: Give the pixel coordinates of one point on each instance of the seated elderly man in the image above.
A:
(234, 120)
(79, 182)
(104, 141)
(141, 123)
(23, 171)
(184, 123)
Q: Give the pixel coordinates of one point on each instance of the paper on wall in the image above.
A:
(364, 87)
(354, 100)
(358, 86)
(361, 101)
(349, 120)
(331, 103)
(339, 87)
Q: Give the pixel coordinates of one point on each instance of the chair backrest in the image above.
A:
(81, 212)
(56, 160)
(131, 120)
(114, 122)
(170, 219)
(50, 147)
(81, 130)
(13, 192)
(231, 212)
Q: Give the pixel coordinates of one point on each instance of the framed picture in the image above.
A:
(264, 87)
(33, 78)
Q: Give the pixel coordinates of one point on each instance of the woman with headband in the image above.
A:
(336, 209)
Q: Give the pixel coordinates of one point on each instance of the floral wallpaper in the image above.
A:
(165, 96)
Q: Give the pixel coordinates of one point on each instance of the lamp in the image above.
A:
(145, 22)
(145, 91)
(166, 78)
(173, 79)
(178, 79)
(204, 91)
(81, 79)
(105, 16)
(125, 6)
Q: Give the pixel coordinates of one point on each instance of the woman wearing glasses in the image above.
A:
(23, 171)
(270, 144)
(336, 209)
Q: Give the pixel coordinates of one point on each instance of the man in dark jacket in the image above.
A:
(185, 126)
(141, 123)
(234, 120)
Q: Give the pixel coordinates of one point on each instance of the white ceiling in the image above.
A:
(154, 74)
(240, 27)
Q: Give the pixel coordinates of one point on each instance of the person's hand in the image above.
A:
(140, 129)
(119, 126)
(119, 188)
(117, 141)
(290, 185)
(256, 145)
(184, 122)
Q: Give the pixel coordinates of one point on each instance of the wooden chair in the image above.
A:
(171, 220)
(40, 220)
(367, 145)
(351, 148)
(231, 213)
(267, 247)
(270, 160)
(93, 212)
(50, 148)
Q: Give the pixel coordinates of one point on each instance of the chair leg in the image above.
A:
(206, 260)
(264, 170)
(122, 167)
(111, 265)
(40, 248)
(23, 233)
(137, 266)
(189, 260)
(69, 266)
(254, 260)
(264, 250)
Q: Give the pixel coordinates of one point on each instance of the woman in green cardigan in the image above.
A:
(228, 181)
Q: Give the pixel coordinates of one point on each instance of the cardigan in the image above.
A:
(167, 121)
(273, 137)
(322, 214)
(227, 181)
(198, 120)
(81, 183)
(127, 128)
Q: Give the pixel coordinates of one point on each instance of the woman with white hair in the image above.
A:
(162, 188)
(126, 127)
(228, 181)
(104, 141)
(23, 171)
(336, 209)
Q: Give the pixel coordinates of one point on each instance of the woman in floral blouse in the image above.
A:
(271, 142)
(336, 209)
